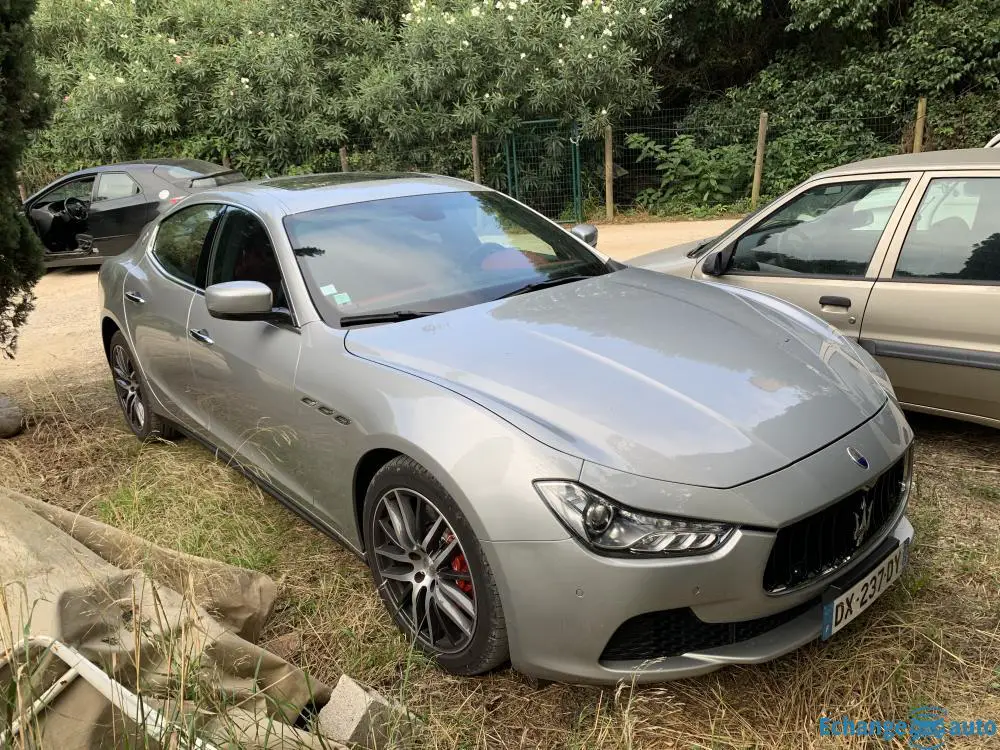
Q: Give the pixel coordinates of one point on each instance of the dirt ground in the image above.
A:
(62, 333)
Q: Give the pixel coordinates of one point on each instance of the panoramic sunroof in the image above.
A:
(306, 182)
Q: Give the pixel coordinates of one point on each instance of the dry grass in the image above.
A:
(934, 639)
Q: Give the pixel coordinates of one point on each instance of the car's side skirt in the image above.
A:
(274, 492)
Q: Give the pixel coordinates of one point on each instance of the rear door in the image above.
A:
(933, 320)
(118, 212)
(822, 246)
(158, 291)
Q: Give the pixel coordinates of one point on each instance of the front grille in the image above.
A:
(822, 542)
(672, 632)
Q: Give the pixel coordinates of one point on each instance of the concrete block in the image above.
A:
(358, 715)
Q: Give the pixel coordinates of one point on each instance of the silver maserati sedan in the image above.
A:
(593, 471)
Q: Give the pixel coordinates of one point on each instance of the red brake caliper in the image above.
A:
(459, 565)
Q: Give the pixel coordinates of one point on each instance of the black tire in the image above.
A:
(133, 395)
(486, 648)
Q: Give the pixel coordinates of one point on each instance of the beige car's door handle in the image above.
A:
(831, 301)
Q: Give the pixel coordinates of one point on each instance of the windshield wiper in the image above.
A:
(536, 285)
(384, 317)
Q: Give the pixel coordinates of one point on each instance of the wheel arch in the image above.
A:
(108, 329)
(364, 471)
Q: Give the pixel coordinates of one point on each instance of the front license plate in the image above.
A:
(844, 608)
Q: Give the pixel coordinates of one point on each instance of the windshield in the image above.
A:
(429, 253)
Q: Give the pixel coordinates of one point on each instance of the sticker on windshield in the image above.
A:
(342, 298)
(329, 290)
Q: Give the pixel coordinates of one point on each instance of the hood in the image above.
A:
(658, 376)
(673, 260)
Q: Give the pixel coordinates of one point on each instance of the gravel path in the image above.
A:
(62, 339)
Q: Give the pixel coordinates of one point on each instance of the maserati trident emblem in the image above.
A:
(857, 458)
(862, 522)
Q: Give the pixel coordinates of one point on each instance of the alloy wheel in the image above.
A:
(424, 570)
(128, 387)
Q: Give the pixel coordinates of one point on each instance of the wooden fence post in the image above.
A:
(477, 175)
(918, 126)
(20, 188)
(758, 165)
(344, 166)
(609, 173)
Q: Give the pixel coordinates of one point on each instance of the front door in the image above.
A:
(932, 318)
(821, 249)
(158, 293)
(244, 371)
(57, 223)
(118, 212)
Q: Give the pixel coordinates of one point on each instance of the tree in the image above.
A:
(21, 109)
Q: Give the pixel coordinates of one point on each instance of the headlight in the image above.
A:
(612, 528)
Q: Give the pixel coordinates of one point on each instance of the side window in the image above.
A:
(112, 185)
(827, 230)
(76, 189)
(181, 238)
(956, 232)
(244, 253)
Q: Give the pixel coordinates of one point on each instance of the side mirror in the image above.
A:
(240, 300)
(717, 263)
(586, 232)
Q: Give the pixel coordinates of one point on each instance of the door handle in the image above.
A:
(200, 334)
(134, 297)
(829, 301)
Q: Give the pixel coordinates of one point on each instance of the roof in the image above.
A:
(292, 195)
(968, 158)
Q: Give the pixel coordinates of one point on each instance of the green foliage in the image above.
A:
(21, 108)
(691, 176)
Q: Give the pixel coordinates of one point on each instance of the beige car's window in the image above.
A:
(956, 232)
(829, 230)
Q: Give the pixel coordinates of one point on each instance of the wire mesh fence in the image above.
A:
(674, 161)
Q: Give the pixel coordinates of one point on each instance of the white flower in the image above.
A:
(246, 86)
(559, 61)
(669, 16)
(604, 46)
(642, 11)
(523, 55)
(499, 5)
(465, 42)
(512, 5)
(616, 11)
(510, 18)
(408, 17)
(91, 77)
(567, 23)
(271, 35)
(581, 36)
(560, 45)
(606, 32)
(244, 80)
(476, 11)
(230, 92)
(449, 20)
(124, 36)
(590, 56)
(586, 3)
(486, 95)
(171, 40)
(260, 33)
(119, 79)
(604, 111)
(605, 9)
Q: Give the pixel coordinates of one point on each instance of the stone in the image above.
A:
(11, 417)
(358, 715)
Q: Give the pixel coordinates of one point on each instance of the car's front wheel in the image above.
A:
(133, 395)
(430, 570)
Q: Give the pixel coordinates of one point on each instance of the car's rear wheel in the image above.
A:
(133, 395)
(431, 572)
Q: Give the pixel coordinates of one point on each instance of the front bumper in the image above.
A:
(561, 623)
(564, 603)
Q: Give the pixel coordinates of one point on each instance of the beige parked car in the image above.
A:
(900, 253)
